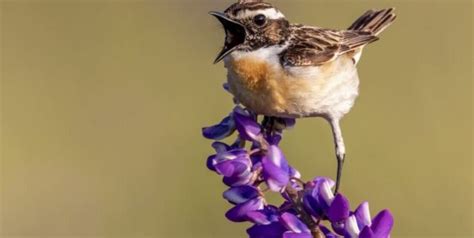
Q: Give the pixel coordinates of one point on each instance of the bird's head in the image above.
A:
(250, 25)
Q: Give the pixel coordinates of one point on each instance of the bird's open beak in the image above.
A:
(234, 34)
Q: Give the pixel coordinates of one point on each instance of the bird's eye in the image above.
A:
(260, 20)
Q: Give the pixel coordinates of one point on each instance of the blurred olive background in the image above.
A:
(102, 103)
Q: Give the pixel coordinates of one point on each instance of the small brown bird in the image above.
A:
(279, 69)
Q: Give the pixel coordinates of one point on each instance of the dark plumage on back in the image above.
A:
(312, 46)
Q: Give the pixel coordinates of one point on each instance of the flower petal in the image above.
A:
(338, 228)
(245, 178)
(248, 128)
(265, 216)
(272, 230)
(226, 87)
(241, 194)
(322, 191)
(210, 162)
(367, 233)
(320, 180)
(382, 224)
(235, 167)
(352, 230)
(327, 233)
(230, 155)
(220, 131)
(294, 173)
(275, 177)
(220, 147)
(289, 122)
(325, 195)
(239, 212)
(362, 215)
(275, 169)
(339, 209)
(293, 223)
(290, 234)
(312, 205)
(273, 139)
(318, 196)
(276, 156)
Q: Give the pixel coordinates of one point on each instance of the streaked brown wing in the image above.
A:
(313, 46)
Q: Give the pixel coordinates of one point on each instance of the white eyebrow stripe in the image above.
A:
(270, 13)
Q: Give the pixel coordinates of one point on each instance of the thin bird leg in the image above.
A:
(268, 124)
(340, 150)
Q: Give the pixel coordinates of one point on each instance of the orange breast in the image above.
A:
(259, 86)
(267, 88)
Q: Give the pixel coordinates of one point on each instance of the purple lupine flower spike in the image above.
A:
(308, 208)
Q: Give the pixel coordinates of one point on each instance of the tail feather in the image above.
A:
(373, 21)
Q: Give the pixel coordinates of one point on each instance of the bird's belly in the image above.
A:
(329, 90)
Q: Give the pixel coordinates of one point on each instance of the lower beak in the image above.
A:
(234, 34)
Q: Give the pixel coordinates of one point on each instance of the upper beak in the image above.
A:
(234, 34)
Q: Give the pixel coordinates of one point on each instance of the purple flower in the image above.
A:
(273, 139)
(276, 171)
(244, 178)
(220, 131)
(359, 224)
(226, 87)
(362, 215)
(221, 147)
(231, 162)
(380, 226)
(240, 211)
(241, 194)
(272, 230)
(318, 196)
(296, 228)
(339, 209)
(244, 170)
(338, 214)
(327, 233)
(235, 165)
(267, 215)
(245, 123)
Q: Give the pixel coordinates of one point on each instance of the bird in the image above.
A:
(280, 69)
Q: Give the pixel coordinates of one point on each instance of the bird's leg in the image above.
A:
(268, 123)
(340, 150)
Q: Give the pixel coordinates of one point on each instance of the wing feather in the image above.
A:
(312, 46)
